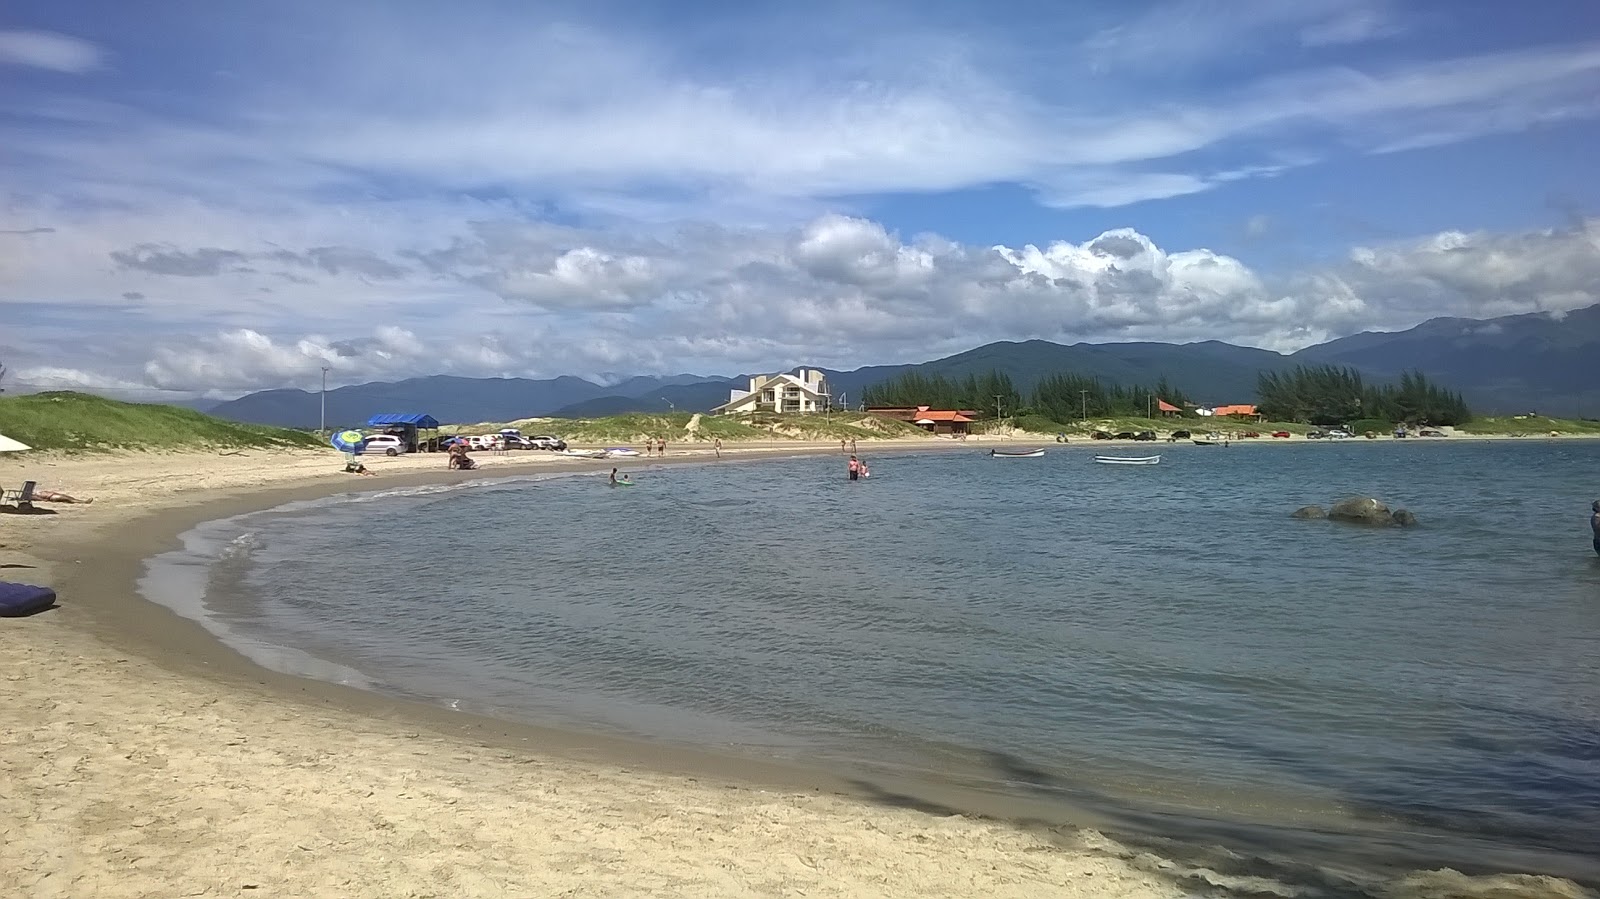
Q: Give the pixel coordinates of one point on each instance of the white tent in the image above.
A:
(7, 445)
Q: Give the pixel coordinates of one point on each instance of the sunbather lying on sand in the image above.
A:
(55, 496)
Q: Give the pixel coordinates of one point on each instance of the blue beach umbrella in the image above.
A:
(348, 441)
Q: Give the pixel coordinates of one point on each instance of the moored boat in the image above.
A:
(1016, 454)
(1128, 460)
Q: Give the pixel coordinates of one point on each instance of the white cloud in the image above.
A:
(844, 292)
(47, 50)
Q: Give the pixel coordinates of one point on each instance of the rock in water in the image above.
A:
(1361, 510)
(1308, 512)
(1404, 519)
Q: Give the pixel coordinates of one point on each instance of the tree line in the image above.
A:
(1060, 397)
(1329, 394)
(1321, 395)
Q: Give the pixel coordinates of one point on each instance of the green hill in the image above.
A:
(64, 420)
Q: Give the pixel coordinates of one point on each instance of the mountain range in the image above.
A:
(1519, 363)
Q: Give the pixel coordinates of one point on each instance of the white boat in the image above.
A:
(621, 451)
(1128, 460)
(584, 454)
(1016, 454)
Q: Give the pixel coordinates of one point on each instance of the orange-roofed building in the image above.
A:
(1243, 410)
(934, 421)
(1167, 409)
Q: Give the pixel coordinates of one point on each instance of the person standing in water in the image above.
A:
(613, 477)
(1594, 524)
(855, 468)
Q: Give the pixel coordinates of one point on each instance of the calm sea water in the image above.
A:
(1138, 639)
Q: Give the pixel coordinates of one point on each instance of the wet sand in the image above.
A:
(143, 758)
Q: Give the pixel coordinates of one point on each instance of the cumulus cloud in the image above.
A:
(48, 50)
(843, 291)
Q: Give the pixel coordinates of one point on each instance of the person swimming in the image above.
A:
(1594, 524)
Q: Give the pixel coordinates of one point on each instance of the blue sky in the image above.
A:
(212, 198)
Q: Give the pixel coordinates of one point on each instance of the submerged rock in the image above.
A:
(1404, 519)
(1308, 512)
(1362, 510)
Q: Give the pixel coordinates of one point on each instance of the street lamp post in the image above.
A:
(323, 427)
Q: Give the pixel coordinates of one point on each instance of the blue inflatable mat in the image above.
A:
(24, 599)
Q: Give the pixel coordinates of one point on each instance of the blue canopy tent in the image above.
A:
(405, 425)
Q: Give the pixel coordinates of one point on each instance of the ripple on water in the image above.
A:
(1162, 630)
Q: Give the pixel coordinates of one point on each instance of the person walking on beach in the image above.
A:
(649, 446)
(841, 444)
(852, 444)
(1594, 524)
(662, 447)
(855, 468)
(716, 447)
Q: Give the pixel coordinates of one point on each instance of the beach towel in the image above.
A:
(17, 600)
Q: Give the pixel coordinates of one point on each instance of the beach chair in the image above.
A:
(23, 498)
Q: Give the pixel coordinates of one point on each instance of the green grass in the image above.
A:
(78, 422)
(674, 426)
(1039, 424)
(1531, 425)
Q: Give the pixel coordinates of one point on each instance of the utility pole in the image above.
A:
(999, 419)
(1084, 396)
(323, 427)
(1147, 401)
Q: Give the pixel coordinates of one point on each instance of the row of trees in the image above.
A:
(1315, 395)
(1060, 397)
(978, 393)
(1332, 395)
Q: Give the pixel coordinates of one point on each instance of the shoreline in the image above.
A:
(108, 632)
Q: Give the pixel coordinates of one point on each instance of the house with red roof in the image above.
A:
(935, 421)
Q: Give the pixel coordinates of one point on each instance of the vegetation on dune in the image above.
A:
(973, 393)
(1332, 395)
(675, 426)
(66, 420)
(1062, 398)
(1531, 425)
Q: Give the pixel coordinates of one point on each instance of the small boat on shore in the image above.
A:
(1128, 460)
(1016, 454)
(1199, 442)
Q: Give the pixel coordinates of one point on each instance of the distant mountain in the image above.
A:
(1513, 364)
(1211, 371)
(444, 397)
(1518, 363)
(694, 397)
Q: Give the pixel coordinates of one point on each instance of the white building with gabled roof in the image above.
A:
(806, 390)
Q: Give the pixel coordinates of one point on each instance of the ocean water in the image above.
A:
(1162, 645)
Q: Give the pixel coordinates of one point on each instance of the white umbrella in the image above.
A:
(924, 421)
(7, 445)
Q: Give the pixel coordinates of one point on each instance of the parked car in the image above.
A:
(1179, 435)
(1315, 434)
(1430, 432)
(516, 442)
(1124, 435)
(1339, 434)
(546, 442)
(1280, 434)
(1100, 435)
(1145, 435)
(388, 444)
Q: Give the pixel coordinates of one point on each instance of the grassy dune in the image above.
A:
(1530, 425)
(64, 420)
(675, 426)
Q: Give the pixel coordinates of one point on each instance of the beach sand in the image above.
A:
(142, 759)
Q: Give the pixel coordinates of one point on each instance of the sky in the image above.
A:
(204, 199)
